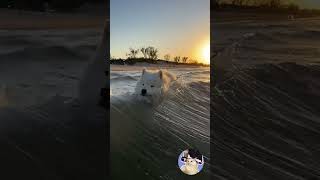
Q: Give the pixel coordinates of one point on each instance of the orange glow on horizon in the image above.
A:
(206, 54)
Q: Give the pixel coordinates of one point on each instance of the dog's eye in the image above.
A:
(142, 84)
(152, 86)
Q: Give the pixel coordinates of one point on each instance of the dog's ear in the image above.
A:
(160, 73)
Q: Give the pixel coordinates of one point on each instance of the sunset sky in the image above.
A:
(175, 27)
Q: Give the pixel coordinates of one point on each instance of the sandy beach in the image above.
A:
(141, 66)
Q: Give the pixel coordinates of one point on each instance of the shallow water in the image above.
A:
(146, 140)
(36, 65)
(266, 108)
(48, 129)
(270, 41)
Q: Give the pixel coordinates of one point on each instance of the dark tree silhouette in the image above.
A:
(274, 3)
(144, 52)
(256, 3)
(152, 53)
(176, 59)
(184, 59)
(133, 53)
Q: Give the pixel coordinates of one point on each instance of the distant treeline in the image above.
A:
(133, 61)
(249, 4)
(151, 55)
(43, 5)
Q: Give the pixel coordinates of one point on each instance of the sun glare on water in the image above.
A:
(206, 54)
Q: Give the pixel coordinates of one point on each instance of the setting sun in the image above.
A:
(206, 54)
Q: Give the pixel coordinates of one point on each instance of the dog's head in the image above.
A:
(192, 157)
(150, 83)
(191, 162)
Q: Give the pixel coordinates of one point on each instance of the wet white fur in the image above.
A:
(191, 167)
(156, 83)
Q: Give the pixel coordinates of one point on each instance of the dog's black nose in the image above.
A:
(143, 92)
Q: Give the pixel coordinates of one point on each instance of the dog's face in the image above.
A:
(150, 83)
(191, 162)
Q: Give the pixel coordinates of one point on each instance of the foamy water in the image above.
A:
(146, 140)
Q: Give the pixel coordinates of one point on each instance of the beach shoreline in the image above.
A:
(140, 66)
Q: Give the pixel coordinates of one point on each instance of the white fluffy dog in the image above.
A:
(153, 85)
